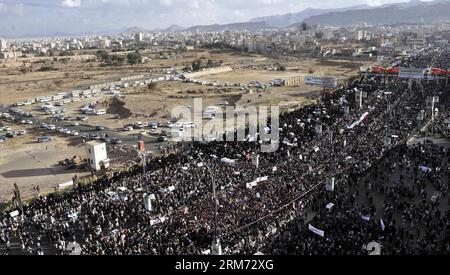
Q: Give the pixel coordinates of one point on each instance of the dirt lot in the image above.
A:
(29, 164)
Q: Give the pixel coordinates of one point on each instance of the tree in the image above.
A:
(134, 58)
(103, 56)
(117, 60)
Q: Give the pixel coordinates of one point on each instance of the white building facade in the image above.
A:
(97, 155)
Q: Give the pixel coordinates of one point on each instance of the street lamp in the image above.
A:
(216, 248)
(389, 106)
(330, 133)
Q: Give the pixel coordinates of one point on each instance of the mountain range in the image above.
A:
(249, 26)
(414, 11)
(285, 20)
(136, 29)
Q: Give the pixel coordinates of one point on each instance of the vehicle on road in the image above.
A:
(162, 139)
(44, 139)
(94, 136)
(128, 128)
(153, 125)
(139, 125)
(116, 141)
(11, 134)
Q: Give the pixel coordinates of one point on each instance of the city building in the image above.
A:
(97, 156)
(138, 37)
(3, 45)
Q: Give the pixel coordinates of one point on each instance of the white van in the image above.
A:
(100, 112)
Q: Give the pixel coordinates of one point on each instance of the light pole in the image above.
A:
(330, 133)
(389, 106)
(216, 248)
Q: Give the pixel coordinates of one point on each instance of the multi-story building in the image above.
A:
(138, 37)
(3, 45)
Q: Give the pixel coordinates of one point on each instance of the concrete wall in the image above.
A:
(218, 70)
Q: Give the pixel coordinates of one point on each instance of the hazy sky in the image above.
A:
(32, 17)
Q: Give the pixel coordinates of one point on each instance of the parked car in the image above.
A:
(105, 139)
(162, 139)
(153, 125)
(44, 139)
(94, 137)
(11, 134)
(128, 128)
(99, 128)
(116, 141)
(138, 125)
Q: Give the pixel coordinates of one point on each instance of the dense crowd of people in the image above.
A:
(265, 207)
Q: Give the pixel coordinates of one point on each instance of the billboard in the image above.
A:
(411, 73)
(324, 81)
(329, 185)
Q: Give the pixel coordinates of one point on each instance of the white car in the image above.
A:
(128, 128)
(189, 125)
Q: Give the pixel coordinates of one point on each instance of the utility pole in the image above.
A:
(216, 248)
(144, 168)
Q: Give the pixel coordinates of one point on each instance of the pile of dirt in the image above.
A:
(234, 99)
(117, 107)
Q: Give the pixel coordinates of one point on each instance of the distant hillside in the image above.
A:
(173, 28)
(250, 26)
(135, 29)
(412, 12)
(288, 19)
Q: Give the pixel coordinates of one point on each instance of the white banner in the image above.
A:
(330, 206)
(424, 169)
(14, 214)
(148, 203)
(411, 73)
(329, 185)
(227, 161)
(324, 81)
(316, 231)
(382, 224)
(255, 160)
(254, 183)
